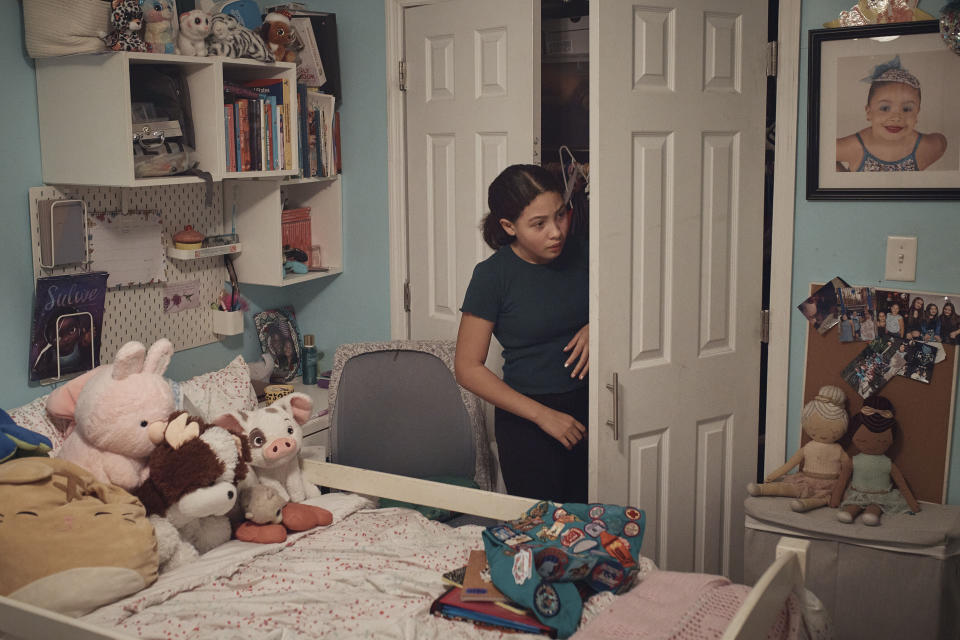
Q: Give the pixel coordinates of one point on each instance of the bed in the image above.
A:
(374, 572)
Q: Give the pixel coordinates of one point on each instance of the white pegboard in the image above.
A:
(136, 312)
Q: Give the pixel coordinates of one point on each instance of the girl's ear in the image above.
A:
(508, 227)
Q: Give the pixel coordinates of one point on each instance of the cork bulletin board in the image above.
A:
(924, 412)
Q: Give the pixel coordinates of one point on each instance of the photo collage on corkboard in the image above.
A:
(911, 363)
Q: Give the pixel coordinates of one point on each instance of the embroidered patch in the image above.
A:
(522, 566)
(633, 513)
(584, 545)
(606, 576)
(551, 563)
(596, 511)
(570, 536)
(545, 600)
(595, 528)
(631, 529)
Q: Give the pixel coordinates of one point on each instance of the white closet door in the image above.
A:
(676, 123)
(472, 108)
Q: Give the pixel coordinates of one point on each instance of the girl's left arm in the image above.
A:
(579, 349)
(932, 147)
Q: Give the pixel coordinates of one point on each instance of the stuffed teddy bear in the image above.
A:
(277, 32)
(275, 438)
(194, 28)
(70, 543)
(262, 504)
(126, 21)
(159, 32)
(192, 486)
(115, 406)
(873, 475)
(822, 460)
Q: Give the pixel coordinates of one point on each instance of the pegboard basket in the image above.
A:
(227, 323)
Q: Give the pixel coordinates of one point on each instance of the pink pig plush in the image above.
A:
(114, 408)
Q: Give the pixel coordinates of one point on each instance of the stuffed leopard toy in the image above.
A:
(126, 21)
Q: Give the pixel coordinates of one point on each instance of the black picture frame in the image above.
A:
(837, 100)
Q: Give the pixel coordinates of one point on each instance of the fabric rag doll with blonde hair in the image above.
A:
(822, 460)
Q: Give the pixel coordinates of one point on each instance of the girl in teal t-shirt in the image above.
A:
(532, 294)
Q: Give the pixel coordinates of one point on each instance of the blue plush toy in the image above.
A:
(14, 438)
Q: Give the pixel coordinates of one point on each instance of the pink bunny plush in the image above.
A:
(114, 409)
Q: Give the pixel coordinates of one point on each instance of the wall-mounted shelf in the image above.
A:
(204, 252)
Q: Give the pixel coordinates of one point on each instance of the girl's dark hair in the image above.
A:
(509, 194)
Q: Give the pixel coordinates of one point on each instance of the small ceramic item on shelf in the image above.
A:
(188, 238)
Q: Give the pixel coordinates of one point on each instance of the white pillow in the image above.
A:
(213, 394)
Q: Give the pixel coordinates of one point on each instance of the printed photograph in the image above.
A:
(949, 321)
(920, 358)
(873, 367)
(857, 320)
(822, 308)
(891, 308)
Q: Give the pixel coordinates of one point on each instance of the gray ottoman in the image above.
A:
(897, 580)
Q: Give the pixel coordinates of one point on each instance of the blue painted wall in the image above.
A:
(349, 307)
(849, 239)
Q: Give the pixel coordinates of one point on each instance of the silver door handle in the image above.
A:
(615, 421)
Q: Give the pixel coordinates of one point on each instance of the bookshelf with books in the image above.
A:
(87, 141)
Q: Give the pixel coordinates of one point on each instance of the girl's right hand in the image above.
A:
(567, 430)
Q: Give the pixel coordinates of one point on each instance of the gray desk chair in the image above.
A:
(396, 407)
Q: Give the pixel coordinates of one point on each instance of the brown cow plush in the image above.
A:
(192, 486)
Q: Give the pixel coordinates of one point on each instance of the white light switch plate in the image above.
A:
(901, 258)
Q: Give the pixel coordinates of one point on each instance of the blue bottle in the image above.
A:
(310, 357)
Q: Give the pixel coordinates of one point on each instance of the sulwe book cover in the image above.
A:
(67, 320)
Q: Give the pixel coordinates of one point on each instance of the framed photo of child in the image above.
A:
(883, 119)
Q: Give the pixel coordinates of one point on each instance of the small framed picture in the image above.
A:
(883, 119)
(280, 337)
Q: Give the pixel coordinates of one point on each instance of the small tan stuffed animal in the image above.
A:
(822, 460)
(262, 504)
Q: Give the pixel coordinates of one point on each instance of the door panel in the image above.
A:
(473, 107)
(677, 119)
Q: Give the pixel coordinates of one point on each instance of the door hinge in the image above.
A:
(765, 326)
(406, 296)
(403, 75)
(772, 55)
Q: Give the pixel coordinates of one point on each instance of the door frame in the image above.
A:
(781, 270)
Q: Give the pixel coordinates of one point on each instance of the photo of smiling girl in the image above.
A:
(891, 141)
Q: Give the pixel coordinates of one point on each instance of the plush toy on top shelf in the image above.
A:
(194, 28)
(277, 32)
(126, 22)
(160, 18)
(822, 460)
(231, 39)
(871, 490)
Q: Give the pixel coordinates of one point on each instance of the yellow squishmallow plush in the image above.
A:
(68, 542)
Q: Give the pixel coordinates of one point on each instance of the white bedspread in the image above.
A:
(373, 573)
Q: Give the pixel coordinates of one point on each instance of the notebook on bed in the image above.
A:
(451, 605)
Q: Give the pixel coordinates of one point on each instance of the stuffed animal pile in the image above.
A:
(126, 22)
(160, 32)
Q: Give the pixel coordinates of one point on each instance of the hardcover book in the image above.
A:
(477, 585)
(67, 320)
(487, 614)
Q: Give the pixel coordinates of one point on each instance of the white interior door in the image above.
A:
(676, 122)
(472, 108)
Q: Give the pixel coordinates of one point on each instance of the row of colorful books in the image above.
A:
(256, 117)
(472, 597)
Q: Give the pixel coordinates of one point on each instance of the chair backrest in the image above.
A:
(396, 407)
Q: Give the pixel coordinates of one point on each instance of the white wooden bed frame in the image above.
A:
(757, 614)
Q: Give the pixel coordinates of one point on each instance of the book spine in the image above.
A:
(304, 130)
(287, 129)
(274, 133)
(254, 135)
(336, 143)
(243, 133)
(267, 136)
(230, 137)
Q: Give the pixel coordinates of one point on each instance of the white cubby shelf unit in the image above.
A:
(86, 138)
(86, 129)
(258, 222)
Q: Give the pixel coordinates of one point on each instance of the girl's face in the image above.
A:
(541, 229)
(948, 309)
(872, 443)
(918, 304)
(932, 310)
(892, 111)
(894, 308)
(881, 317)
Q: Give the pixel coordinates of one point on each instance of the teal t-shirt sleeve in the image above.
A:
(482, 298)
